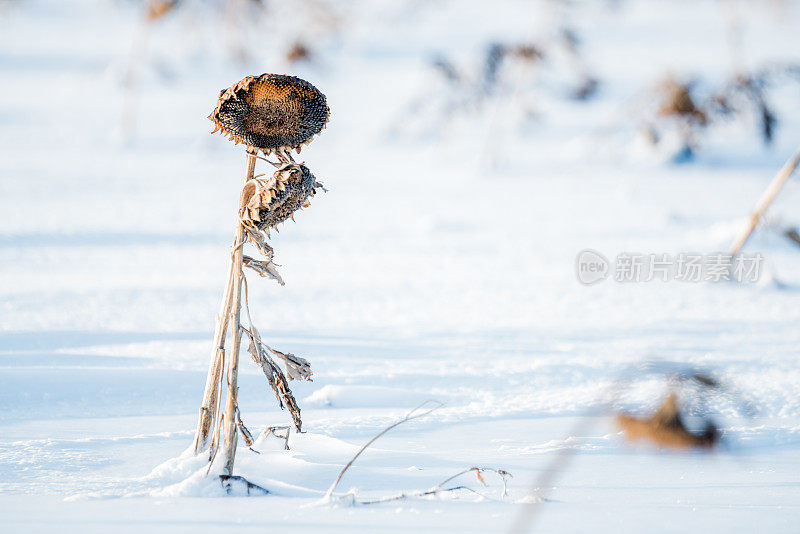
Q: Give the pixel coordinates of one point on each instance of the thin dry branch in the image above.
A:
(427, 493)
(413, 414)
(273, 430)
(502, 473)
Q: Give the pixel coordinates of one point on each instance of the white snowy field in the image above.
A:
(439, 265)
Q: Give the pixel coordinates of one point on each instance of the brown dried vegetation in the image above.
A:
(269, 113)
(666, 428)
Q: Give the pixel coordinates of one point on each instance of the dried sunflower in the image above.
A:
(271, 201)
(271, 112)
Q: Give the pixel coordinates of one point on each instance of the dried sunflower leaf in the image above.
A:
(258, 240)
(263, 268)
(246, 435)
(297, 368)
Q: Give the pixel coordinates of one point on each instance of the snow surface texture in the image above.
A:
(440, 265)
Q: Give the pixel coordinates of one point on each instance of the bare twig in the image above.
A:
(434, 491)
(439, 488)
(413, 414)
(502, 473)
(274, 431)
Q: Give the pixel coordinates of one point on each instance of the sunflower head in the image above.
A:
(270, 112)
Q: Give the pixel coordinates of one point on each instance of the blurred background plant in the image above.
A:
(530, 69)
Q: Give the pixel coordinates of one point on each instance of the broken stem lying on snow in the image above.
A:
(438, 489)
(428, 493)
(413, 414)
(502, 473)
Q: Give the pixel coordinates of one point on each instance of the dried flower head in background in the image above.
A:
(158, 8)
(693, 108)
(298, 52)
(677, 101)
(666, 428)
(271, 112)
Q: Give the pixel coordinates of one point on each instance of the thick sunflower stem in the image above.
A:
(209, 411)
(229, 417)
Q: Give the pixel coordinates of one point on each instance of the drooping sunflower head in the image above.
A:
(271, 111)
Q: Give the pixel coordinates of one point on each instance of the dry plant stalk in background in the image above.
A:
(766, 199)
(270, 113)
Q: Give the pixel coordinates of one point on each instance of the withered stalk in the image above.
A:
(209, 409)
(229, 445)
(229, 313)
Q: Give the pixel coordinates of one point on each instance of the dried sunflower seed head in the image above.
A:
(272, 201)
(270, 112)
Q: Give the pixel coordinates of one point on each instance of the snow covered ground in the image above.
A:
(440, 265)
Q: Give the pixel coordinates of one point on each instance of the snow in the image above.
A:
(440, 265)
